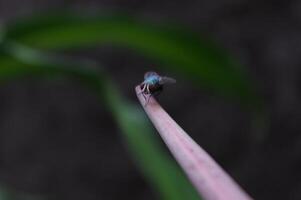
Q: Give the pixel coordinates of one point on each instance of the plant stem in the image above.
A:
(209, 179)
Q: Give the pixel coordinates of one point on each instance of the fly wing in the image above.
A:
(148, 74)
(165, 79)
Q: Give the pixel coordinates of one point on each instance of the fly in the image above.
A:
(153, 84)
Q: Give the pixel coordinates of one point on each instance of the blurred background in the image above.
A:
(59, 140)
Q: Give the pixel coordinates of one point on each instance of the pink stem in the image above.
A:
(209, 179)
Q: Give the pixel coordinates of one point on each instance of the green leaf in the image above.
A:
(167, 178)
(182, 51)
(7, 193)
(179, 50)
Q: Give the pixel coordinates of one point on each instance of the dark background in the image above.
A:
(57, 139)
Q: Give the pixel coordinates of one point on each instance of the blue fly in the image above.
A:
(153, 84)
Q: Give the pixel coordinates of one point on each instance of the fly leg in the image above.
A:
(149, 96)
(143, 90)
(154, 94)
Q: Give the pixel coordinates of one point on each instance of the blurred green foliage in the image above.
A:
(177, 49)
(23, 52)
(10, 194)
(160, 170)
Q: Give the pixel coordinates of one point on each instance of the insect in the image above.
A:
(153, 84)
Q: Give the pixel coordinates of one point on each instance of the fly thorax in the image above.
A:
(152, 80)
